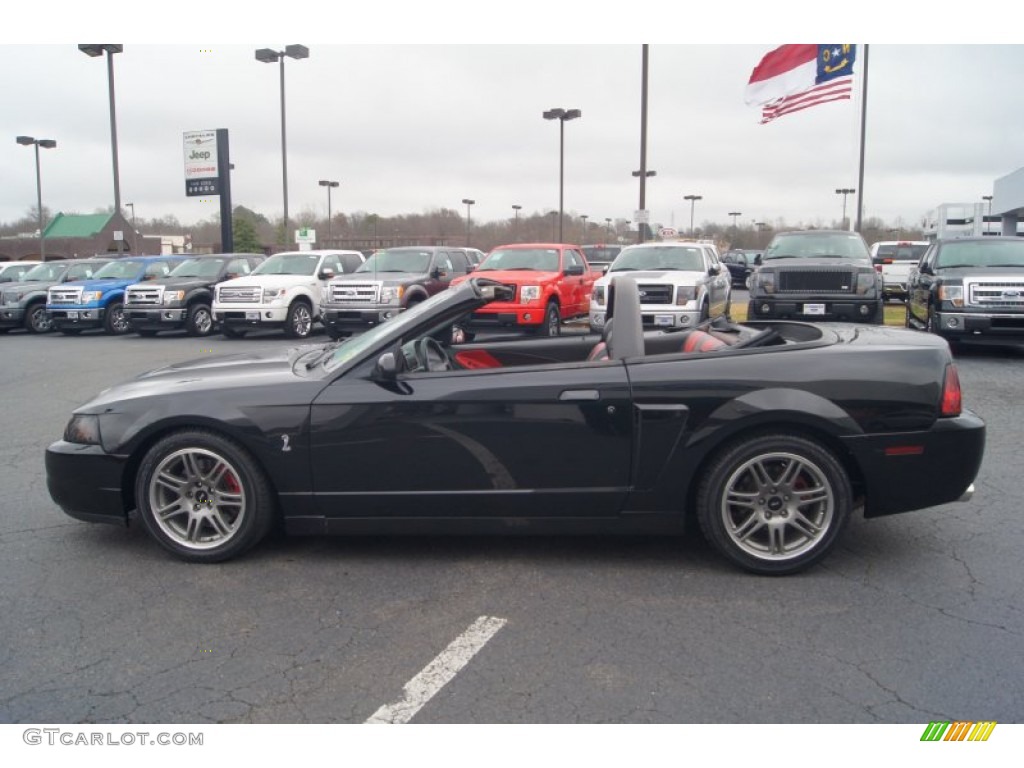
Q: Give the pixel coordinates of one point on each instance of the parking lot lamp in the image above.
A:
(269, 56)
(45, 144)
(989, 199)
(561, 115)
(583, 239)
(844, 192)
(693, 200)
(330, 185)
(515, 225)
(467, 202)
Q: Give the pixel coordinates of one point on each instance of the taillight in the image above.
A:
(878, 267)
(951, 397)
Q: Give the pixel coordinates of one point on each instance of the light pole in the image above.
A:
(515, 226)
(989, 199)
(735, 215)
(330, 185)
(693, 201)
(584, 216)
(94, 50)
(132, 206)
(608, 227)
(45, 144)
(561, 115)
(269, 56)
(552, 214)
(467, 202)
(844, 192)
(643, 226)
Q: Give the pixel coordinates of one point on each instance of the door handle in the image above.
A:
(580, 395)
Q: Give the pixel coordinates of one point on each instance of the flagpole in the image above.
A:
(863, 126)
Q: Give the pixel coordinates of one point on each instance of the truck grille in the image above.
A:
(655, 294)
(998, 295)
(823, 280)
(148, 297)
(242, 294)
(66, 296)
(354, 293)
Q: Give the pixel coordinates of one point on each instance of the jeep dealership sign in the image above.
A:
(202, 174)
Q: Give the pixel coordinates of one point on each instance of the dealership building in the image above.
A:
(1001, 213)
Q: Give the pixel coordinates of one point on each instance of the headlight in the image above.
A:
(954, 294)
(392, 294)
(12, 298)
(172, 297)
(270, 294)
(598, 295)
(529, 293)
(685, 294)
(84, 428)
(866, 281)
(91, 296)
(764, 281)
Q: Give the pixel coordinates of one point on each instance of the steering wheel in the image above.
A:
(430, 355)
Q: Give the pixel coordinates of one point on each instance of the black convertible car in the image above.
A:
(769, 435)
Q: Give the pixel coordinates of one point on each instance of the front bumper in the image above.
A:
(656, 316)
(87, 483)
(814, 309)
(155, 318)
(361, 316)
(251, 316)
(84, 317)
(506, 316)
(978, 326)
(12, 317)
(914, 470)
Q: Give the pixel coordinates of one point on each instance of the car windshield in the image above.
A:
(120, 269)
(397, 260)
(48, 271)
(981, 253)
(603, 253)
(198, 268)
(901, 251)
(85, 270)
(541, 259)
(289, 264)
(662, 257)
(817, 245)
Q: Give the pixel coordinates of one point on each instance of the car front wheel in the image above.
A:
(552, 321)
(199, 321)
(202, 497)
(38, 319)
(299, 323)
(774, 504)
(115, 323)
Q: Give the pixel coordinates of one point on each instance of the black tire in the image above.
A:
(216, 501)
(199, 320)
(114, 321)
(335, 333)
(37, 319)
(705, 311)
(552, 321)
(71, 331)
(930, 325)
(751, 314)
(879, 318)
(232, 333)
(299, 322)
(147, 334)
(774, 504)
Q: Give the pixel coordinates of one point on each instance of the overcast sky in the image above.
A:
(408, 128)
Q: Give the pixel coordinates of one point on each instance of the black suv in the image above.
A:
(24, 303)
(970, 289)
(817, 275)
(387, 283)
(183, 298)
(740, 264)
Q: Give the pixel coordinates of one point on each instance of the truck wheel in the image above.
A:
(37, 319)
(147, 334)
(336, 333)
(115, 323)
(552, 321)
(299, 323)
(199, 321)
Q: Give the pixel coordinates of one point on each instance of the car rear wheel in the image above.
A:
(299, 323)
(202, 497)
(774, 504)
(37, 319)
(199, 321)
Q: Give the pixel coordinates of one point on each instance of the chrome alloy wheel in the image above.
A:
(777, 506)
(302, 321)
(197, 498)
(202, 321)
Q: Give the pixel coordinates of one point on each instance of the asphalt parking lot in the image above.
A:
(914, 618)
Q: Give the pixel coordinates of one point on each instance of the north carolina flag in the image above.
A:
(795, 77)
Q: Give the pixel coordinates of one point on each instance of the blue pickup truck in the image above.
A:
(99, 302)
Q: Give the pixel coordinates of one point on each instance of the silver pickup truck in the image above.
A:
(894, 259)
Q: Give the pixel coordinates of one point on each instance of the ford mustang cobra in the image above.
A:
(769, 435)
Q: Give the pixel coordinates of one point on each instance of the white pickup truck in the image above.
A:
(894, 260)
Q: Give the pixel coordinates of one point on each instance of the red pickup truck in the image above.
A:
(552, 284)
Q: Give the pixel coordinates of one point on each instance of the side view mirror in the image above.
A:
(470, 268)
(757, 260)
(714, 270)
(326, 273)
(925, 269)
(387, 366)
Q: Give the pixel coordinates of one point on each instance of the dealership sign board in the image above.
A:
(202, 174)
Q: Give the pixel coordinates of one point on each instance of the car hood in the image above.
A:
(31, 285)
(515, 276)
(988, 273)
(667, 276)
(104, 284)
(244, 369)
(796, 261)
(176, 283)
(387, 278)
(270, 281)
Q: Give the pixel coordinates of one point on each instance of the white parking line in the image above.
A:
(438, 673)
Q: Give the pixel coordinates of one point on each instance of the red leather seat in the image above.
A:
(701, 341)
